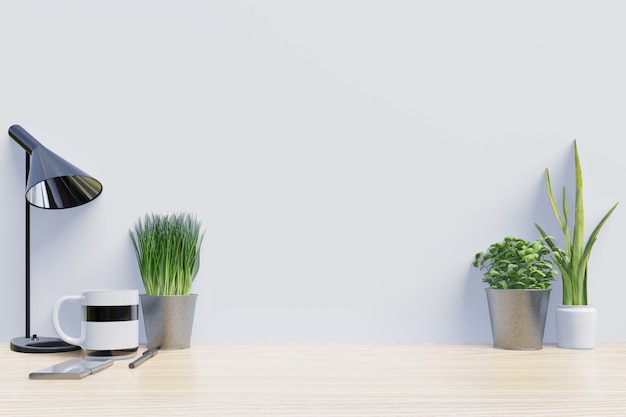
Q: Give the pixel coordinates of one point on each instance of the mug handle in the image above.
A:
(55, 319)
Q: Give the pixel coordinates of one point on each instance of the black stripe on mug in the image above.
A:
(110, 313)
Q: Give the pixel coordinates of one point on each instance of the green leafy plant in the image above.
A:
(516, 263)
(168, 252)
(572, 261)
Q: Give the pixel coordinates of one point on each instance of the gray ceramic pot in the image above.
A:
(518, 318)
(168, 320)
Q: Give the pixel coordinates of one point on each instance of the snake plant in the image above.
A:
(572, 261)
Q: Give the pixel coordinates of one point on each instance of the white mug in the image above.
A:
(109, 323)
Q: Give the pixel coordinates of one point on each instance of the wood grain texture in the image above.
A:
(329, 380)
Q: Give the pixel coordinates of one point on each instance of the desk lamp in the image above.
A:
(51, 183)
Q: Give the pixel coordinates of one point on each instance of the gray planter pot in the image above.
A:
(168, 320)
(518, 318)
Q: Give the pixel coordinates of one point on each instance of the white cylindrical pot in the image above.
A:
(576, 326)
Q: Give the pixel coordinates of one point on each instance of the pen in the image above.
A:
(144, 357)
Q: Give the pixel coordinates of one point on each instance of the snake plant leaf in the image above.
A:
(572, 261)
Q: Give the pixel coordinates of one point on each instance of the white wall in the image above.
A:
(347, 158)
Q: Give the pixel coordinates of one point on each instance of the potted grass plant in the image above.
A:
(519, 273)
(168, 255)
(575, 318)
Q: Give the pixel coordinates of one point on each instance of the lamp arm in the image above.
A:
(25, 139)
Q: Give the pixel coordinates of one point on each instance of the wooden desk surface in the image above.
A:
(328, 380)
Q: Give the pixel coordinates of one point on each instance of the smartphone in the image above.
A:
(71, 369)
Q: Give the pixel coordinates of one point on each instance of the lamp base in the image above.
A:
(37, 344)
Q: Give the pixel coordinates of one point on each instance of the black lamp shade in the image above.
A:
(53, 183)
